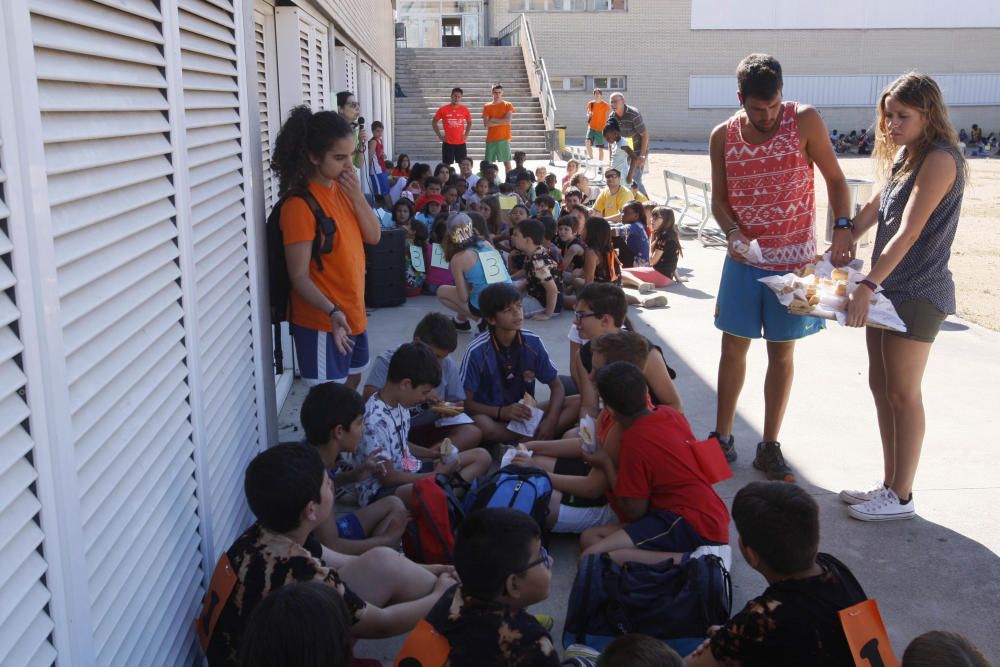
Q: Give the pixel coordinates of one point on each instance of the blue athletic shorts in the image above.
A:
(746, 306)
(318, 358)
(349, 527)
(660, 530)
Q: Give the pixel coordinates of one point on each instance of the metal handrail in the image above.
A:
(511, 35)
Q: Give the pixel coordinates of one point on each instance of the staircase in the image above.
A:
(427, 76)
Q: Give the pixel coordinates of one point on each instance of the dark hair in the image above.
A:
(480, 225)
(638, 651)
(542, 190)
(576, 179)
(496, 86)
(549, 223)
(573, 192)
(377, 125)
(623, 388)
(441, 166)
(280, 482)
(551, 177)
(303, 623)
(342, 97)
(304, 134)
(431, 180)
(605, 299)
(491, 165)
(666, 231)
(405, 203)
(522, 154)
(506, 188)
(419, 171)
(328, 406)
(639, 210)
(449, 186)
(939, 648)
(497, 297)
(621, 346)
(612, 169)
(399, 160)
(526, 209)
(456, 89)
(436, 329)
(567, 221)
(491, 545)
(597, 235)
(524, 176)
(439, 229)
(495, 221)
(780, 522)
(533, 229)
(547, 201)
(759, 76)
(466, 159)
(414, 362)
(612, 126)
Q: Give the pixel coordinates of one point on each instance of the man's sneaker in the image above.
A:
(462, 327)
(886, 506)
(857, 496)
(728, 445)
(770, 461)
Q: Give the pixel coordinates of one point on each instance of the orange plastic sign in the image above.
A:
(424, 647)
(711, 460)
(866, 635)
(219, 590)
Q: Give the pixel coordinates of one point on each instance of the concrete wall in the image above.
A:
(668, 51)
(368, 25)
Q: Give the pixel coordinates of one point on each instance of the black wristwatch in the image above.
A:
(843, 223)
(333, 310)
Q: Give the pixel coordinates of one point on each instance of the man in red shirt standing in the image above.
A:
(457, 124)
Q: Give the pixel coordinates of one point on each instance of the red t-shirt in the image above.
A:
(657, 463)
(454, 122)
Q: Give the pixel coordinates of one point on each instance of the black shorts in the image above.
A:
(577, 468)
(452, 153)
(660, 530)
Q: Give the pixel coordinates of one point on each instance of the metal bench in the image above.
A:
(694, 205)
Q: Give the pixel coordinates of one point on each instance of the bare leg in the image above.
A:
(877, 383)
(466, 436)
(595, 535)
(382, 522)
(448, 296)
(905, 361)
(569, 415)
(567, 448)
(494, 431)
(383, 577)
(554, 502)
(353, 381)
(546, 463)
(590, 150)
(777, 386)
(732, 371)
(475, 463)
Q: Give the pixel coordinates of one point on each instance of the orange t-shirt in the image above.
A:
(498, 110)
(342, 279)
(598, 114)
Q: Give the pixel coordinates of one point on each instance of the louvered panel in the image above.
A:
(109, 164)
(25, 626)
(321, 67)
(209, 117)
(267, 101)
(230, 431)
(227, 303)
(305, 57)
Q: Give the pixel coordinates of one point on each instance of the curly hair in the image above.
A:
(304, 134)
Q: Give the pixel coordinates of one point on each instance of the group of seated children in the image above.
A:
(304, 582)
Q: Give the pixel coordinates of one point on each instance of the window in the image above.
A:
(588, 83)
(606, 83)
(567, 5)
(574, 83)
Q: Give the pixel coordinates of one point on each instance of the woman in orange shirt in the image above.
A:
(327, 316)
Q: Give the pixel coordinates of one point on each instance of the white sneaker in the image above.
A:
(658, 301)
(884, 507)
(646, 288)
(723, 551)
(857, 496)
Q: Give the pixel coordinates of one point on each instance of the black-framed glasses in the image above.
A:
(607, 176)
(543, 559)
(580, 315)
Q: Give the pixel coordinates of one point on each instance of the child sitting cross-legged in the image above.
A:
(291, 494)
(670, 506)
(502, 364)
(333, 420)
(543, 279)
(414, 372)
(795, 620)
(504, 568)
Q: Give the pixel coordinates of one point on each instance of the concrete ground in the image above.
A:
(940, 570)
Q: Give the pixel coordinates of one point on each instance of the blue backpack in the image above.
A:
(525, 489)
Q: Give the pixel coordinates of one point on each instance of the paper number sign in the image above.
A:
(866, 635)
(417, 259)
(493, 267)
(508, 202)
(437, 256)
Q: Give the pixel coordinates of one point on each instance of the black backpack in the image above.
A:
(279, 284)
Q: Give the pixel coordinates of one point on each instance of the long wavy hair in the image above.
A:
(922, 94)
(304, 133)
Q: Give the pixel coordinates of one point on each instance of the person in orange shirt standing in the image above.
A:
(597, 114)
(457, 123)
(327, 316)
(496, 118)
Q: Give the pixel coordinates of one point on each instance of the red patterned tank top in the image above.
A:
(771, 191)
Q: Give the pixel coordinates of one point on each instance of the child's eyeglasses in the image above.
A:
(543, 559)
(581, 315)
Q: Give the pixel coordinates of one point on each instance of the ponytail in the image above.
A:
(304, 134)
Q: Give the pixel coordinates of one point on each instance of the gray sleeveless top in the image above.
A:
(923, 273)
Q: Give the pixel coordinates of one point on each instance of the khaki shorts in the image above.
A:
(922, 318)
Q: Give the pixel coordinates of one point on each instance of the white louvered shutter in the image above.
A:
(25, 625)
(269, 116)
(102, 92)
(303, 59)
(347, 69)
(218, 224)
(364, 92)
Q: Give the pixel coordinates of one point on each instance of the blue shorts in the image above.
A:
(349, 527)
(380, 184)
(660, 530)
(746, 306)
(318, 358)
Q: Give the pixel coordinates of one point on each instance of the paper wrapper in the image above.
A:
(751, 251)
(822, 290)
(588, 435)
(511, 453)
(449, 452)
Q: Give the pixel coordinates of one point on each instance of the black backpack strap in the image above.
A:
(325, 226)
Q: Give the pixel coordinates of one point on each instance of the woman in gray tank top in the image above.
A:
(916, 154)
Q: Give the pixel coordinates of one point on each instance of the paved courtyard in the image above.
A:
(940, 570)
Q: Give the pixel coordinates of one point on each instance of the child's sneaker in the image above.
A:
(857, 496)
(546, 621)
(728, 445)
(580, 655)
(462, 327)
(646, 288)
(886, 506)
(771, 462)
(658, 301)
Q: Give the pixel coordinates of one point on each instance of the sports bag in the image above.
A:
(278, 282)
(667, 600)
(525, 489)
(436, 512)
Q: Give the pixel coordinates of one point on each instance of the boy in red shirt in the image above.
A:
(671, 507)
(457, 121)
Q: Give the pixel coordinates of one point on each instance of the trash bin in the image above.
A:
(861, 192)
(555, 139)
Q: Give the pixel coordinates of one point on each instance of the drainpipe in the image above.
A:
(487, 33)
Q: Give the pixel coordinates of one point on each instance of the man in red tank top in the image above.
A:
(763, 192)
